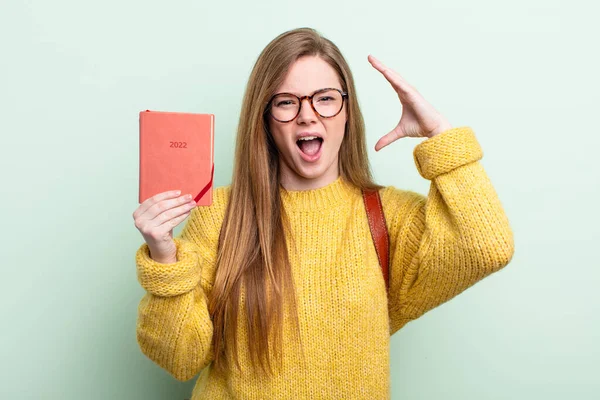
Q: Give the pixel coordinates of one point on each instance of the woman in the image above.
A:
(275, 291)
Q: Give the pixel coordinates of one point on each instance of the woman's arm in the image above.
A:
(174, 328)
(445, 243)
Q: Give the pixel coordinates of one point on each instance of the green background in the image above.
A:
(75, 74)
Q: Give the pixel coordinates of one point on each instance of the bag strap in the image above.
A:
(379, 231)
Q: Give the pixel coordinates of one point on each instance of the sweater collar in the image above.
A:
(332, 195)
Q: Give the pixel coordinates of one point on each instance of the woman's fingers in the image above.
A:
(398, 82)
(392, 136)
(151, 201)
(160, 219)
(393, 78)
(171, 217)
(161, 208)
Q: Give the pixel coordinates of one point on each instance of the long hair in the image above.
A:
(252, 258)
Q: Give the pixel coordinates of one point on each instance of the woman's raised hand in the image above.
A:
(419, 118)
(156, 217)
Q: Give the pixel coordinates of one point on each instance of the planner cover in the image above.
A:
(176, 153)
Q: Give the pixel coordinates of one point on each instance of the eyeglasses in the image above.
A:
(328, 102)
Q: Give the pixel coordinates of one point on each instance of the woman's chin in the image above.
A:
(303, 172)
(312, 172)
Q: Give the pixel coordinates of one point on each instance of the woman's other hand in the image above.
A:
(419, 118)
(156, 217)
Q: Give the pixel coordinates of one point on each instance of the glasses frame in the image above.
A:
(301, 99)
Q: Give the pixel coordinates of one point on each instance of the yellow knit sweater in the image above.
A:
(439, 246)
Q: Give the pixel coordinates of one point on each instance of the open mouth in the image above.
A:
(310, 145)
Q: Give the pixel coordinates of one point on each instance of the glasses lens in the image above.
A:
(328, 103)
(284, 107)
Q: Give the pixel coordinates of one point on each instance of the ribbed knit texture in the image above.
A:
(439, 246)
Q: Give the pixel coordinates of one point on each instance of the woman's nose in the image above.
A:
(307, 114)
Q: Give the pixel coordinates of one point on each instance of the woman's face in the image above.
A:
(309, 164)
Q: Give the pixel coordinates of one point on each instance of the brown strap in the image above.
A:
(379, 231)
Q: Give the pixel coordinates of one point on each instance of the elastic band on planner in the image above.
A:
(207, 187)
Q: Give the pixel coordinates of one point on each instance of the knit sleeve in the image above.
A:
(174, 328)
(444, 243)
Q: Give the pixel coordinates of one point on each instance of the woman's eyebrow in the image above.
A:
(311, 93)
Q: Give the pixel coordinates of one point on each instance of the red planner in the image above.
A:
(176, 153)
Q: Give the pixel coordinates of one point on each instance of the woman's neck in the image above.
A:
(332, 196)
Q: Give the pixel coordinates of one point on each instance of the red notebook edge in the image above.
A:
(140, 121)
